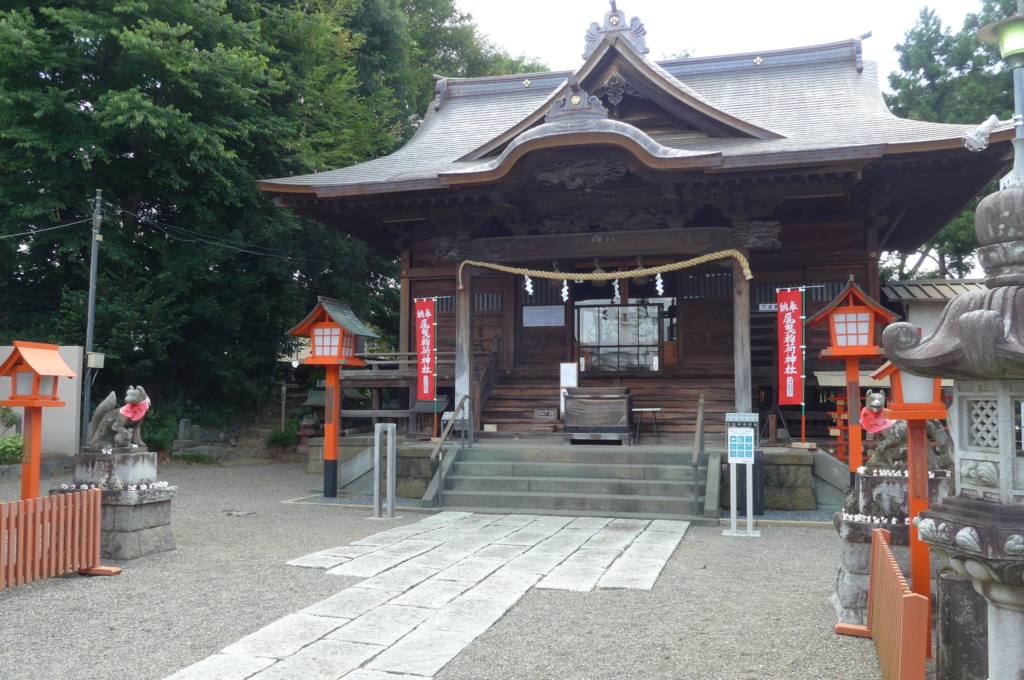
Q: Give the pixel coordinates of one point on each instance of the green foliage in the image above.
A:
(950, 77)
(200, 458)
(174, 109)
(8, 418)
(11, 450)
(281, 441)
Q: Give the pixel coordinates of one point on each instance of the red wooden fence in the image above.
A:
(46, 537)
(898, 619)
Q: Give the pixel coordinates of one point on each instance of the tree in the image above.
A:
(174, 109)
(950, 77)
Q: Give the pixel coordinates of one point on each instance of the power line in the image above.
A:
(224, 243)
(39, 231)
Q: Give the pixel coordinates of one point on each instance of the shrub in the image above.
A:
(11, 450)
(282, 441)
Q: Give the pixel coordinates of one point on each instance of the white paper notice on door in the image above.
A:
(543, 315)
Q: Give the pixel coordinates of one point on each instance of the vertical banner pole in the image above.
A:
(378, 430)
(917, 490)
(392, 468)
(733, 505)
(750, 498)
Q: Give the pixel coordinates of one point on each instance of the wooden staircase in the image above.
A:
(514, 401)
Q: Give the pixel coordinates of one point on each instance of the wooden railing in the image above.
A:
(898, 619)
(481, 389)
(46, 537)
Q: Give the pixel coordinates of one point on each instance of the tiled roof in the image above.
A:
(930, 290)
(341, 313)
(818, 99)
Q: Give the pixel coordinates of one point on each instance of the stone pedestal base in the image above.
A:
(131, 466)
(136, 523)
(961, 630)
(1006, 629)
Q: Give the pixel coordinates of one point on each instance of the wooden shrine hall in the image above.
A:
(790, 157)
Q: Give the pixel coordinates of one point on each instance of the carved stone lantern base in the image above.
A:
(985, 542)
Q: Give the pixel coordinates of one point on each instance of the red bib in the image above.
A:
(874, 422)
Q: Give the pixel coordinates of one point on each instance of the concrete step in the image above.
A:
(700, 521)
(572, 454)
(576, 502)
(580, 485)
(607, 471)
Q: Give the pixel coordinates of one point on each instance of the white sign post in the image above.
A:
(569, 376)
(741, 434)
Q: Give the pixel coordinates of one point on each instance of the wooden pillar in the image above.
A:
(917, 490)
(32, 434)
(406, 396)
(741, 339)
(463, 337)
(332, 421)
(855, 432)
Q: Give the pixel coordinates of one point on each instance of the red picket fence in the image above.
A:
(46, 537)
(898, 619)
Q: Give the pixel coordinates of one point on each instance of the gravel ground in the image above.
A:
(227, 579)
(722, 608)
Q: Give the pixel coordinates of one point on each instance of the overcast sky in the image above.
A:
(553, 30)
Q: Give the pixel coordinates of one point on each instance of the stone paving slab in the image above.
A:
(580, 572)
(565, 542)
(323, 660)
(364, 674)
(223, 667)
(635, 573)
(501, 552)
(470, 569)
(392, 536)
(535, 563)
(285, 636)
(319, 560)
(383, 626)
(467, 615)
(446, 517)
(433, 594)
(352, 551)
(399, 579)
(595, 523)
(527, 536)
(518, 521)
(424, 651)
(351, 603)
(617, 535)
(503, 586)
(383, 559)
(671, 526)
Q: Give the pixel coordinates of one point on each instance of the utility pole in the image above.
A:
(97, 221)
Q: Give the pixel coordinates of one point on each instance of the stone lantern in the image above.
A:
(979, 342)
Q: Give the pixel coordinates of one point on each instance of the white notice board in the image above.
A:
(543, 315)
(741, 445)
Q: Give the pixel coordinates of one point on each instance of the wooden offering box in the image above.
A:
(598, 414)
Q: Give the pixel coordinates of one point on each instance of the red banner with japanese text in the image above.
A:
(426, 342)
(791, 352)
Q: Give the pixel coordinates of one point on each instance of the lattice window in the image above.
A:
(984, 429)
(853, 330)
(325, 340)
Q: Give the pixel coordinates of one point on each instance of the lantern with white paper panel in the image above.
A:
(337, 336)
(853, 319)
(34, 370)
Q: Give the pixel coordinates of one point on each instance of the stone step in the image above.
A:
(572, 454)
(579, 485)
(575, 502)
(607, 471)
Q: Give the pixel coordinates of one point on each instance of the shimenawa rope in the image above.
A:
(609, 276)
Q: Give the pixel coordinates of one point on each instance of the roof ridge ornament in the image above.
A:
(615, 22)
(577, 102)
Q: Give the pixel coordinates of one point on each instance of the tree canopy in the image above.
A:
(173, 109)
(950, 77)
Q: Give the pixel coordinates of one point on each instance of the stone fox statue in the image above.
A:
(122, 427)
(892, 434)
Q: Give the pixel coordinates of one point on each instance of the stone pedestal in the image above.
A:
(884, 497)
(135, 523)
(961, 630)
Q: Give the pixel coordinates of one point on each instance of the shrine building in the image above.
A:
(789, 156)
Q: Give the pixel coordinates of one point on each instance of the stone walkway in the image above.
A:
(432, 587)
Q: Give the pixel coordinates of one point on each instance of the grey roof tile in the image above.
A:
(930, 290)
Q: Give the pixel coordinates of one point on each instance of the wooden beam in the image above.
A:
(611, 244)
(741, 339)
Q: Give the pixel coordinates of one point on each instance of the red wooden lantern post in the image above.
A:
(337, 336)
(852, 321)
(915, 400)
(34, 369)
